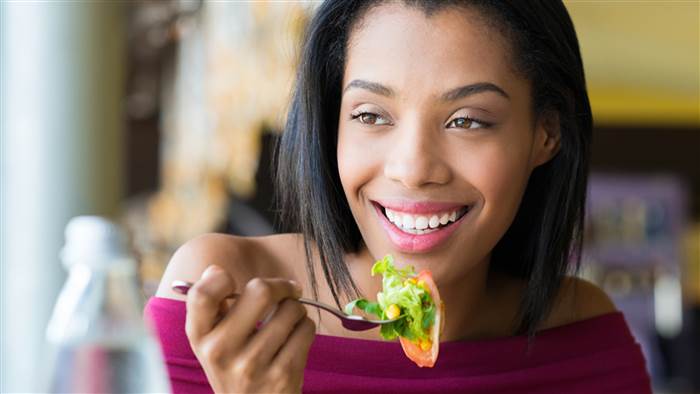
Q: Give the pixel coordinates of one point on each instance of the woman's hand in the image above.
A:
(237, 357)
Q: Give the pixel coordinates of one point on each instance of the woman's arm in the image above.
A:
(191, 259)
(236, 354)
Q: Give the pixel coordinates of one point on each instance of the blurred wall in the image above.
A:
(641, 60)
(61, 153)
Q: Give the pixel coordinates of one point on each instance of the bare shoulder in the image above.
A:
(577, 300)
(242, 257)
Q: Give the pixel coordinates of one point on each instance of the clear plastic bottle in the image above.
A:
(97, 338)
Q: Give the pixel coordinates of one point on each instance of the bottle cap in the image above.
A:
(94, 240)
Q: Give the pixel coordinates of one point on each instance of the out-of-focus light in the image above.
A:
(668, 305)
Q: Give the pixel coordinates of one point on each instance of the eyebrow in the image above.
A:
(373, 87)
(452, 95)
(468, 90)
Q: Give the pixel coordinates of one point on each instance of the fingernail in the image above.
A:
(212, 269)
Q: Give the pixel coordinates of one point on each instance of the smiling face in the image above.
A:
(436, 136)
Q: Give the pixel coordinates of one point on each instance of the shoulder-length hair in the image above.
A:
(544, 240)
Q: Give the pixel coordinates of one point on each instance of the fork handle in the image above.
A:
(183, 287)
(323, 306)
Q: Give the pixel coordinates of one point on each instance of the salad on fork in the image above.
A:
(414, 299)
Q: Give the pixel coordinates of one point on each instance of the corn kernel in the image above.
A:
(411, 281)
(393, 311)
(426, 344)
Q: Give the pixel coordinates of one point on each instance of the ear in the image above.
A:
(547, 138)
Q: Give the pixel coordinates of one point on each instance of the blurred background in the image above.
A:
(161, 114)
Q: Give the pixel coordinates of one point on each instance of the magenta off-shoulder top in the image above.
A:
(598, 355)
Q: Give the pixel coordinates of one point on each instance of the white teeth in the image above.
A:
(412, 231)
(444, 218)
(434, 221)
(407, 222)
(421, 222)
(416, 224)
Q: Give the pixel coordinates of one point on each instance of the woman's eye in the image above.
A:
(467, 123)
(370, 118)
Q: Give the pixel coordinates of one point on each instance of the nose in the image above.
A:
(416, 158)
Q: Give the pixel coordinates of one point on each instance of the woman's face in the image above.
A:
(436, 137)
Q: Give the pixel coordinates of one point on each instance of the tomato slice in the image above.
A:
(426, 356)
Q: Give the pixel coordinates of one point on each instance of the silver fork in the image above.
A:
(351, 322)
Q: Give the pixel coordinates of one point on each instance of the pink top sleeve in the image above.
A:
(167, 317)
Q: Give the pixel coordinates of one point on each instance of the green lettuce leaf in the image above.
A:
(416, 305)
(361, 303)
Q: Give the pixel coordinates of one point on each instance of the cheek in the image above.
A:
(356, 165)
(500, 172)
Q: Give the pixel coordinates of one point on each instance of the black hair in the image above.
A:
(545, 238)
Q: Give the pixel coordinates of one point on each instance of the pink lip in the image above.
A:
(416, 242)
(418, 207)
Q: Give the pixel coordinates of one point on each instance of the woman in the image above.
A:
(403, 112)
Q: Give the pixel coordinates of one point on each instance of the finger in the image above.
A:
(238, 326)
(204, 301)
(256, 300)
(270, 338)
(292, 357)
